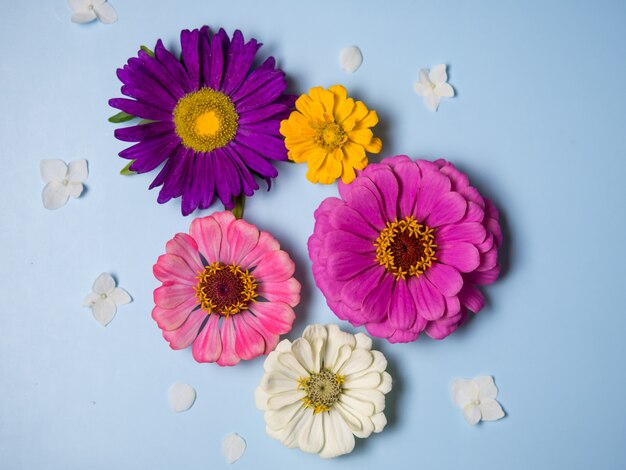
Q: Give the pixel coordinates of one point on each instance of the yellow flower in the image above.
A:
(332, 133)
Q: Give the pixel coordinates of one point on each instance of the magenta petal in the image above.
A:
(445, 278)
(227, 334)
(354, 291)
(448, 209)
(347, 219)
(380, 330)
(287, 292)
(344, 265)
(402, 313)
(345, 241)
(474, 213)
(248, 342)
(365, 203)
(173, 318)
(401, 336)
(471, 232)
(463, 256)
(428, 300)
(484, 277)
(377, 301)
(472, 298)
(182, 337)
(409, 178)
(432, 186)
(208, 345)
(387, 186)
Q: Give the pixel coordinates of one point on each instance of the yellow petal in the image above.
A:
(316, 162)
(360, 111)
(375, 146)
(354, 153)
(368, 121)
(343, 109)
(309, 108)
(324, 97)
(361, 136)
(348, 174)
(339, 91)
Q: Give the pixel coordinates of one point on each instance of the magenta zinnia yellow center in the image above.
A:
(225, 289)
(406, 248)
(323, 390)
(205, 120)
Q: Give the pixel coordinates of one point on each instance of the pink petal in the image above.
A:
(208, 345)
(174, 269)
(472, 298)
(274, 266)
(186, 247)
(182, 337)
(266, 243)
(270, 340)
(448, 209)
(438, 330)
(343, 265)
(346, 241)
(172, 295)
(380, 330)
(474, 213)
(432, 186)
(248, 342)
(461, 255)
(488, 260)
(227, 333)
(367, 205)
(401, 336)
(402, 313)
(471, 232)
(282, 291)
(387, 185)
(347, 219)
(208, 235)
(428, 300)
(484, 277)
(224, 220)
(409, 178)
(242, 238)
(276, 317)
(354, 291)
(172, 318)
(377, 301)
(445, 278)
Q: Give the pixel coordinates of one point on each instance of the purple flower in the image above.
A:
(214, 117)
(405, 248)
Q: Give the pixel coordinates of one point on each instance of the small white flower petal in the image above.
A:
(95, 3)
(181, 397)
(53, 170)
(316, 336)
(350, 59)
(371, 396)
(336, 354)
(106, 13)
(380, 421)
(311, 436)
(385, 386)
(84, 16)
(464, 391)
(104, 311)
(274, 382)
(301, 349)
(487, 388)
(424, 78)
(359, 360)
(432, 101)
(289, 361)
(422, 89)
(55, 194)
(233, 447)
(278, 419)
(120, 297)
(77, 171)
(471, 413)
(74, 189)
(490, 410)
(91, 299)
(363, 341)
(276, 402)
(77, 5)
(371, 380)
(444, 90)
(338, 439)
(104, 284)
(437, 74)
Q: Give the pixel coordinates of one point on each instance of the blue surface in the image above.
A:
(538, 126)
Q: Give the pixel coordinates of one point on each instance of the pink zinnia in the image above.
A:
(405, 248)
(228, 289)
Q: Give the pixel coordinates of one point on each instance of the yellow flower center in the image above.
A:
(205, 120)
(330, 136)
(323, 390)
(225, 289)
(406, 247)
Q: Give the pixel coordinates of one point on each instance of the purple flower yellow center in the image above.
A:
(205, 120)
(225, 289)
(406, 248)
(322, 388)
(330, 135)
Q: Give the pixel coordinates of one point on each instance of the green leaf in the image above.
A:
(147, 51)
(240, 202)
(146, 121)
(126, 171)
(121, 117)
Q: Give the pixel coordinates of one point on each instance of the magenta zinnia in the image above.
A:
(228, 290)
(213, 118)
(405, 248)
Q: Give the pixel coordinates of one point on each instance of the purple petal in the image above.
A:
(218, 45)
(380, 330)
(261, 114)
(143, 131)
(267, 145)
(193, 192)
(155, 155)
(161, 76)
(205, 56)
(245, 175)
(263, 96)
(400, 336)
(159, 100)
(238, 62)
(173, 184)
(141, 110)
(189, 41)
(226, 179)
(174, 68)
(254, 161)
(347, 219)
(257, 78)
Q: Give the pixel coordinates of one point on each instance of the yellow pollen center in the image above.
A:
(406, 248)
(225, 289)
(205, 120)
(323, 390)
(330, 136)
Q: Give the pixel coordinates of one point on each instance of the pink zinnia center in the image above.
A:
(225, 289)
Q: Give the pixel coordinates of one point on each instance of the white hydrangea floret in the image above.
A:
(62, 181)
(105, 299)
(433, 86)
(477, 398)
(86, 11)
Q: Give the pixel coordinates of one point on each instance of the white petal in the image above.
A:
(422, 89)
(385, 386)
(278, 419)
(104, 284)
(301, 349)
(289, 361)
(472, 414)
(233, 447)
(336, 353)
(289, 434)
(350, 59)
(464, 391)
(120, 297)
(76, 5)
(362, 407)
(74, 189)
(181, 397)
(316, 335)
(371, 380)
(372, 396)
(54, 195)
(338, 439)
(424, 78)
(380, 421)
(103, 311)
(432, 101)
(311, 435)
(106, 13)
(486, 387)
(275, 382)
(490, 410)
(438, 74)
(279, 400)
(360, 425)
(363, 341)
(84, 16)
(91, 299)
(53, 170)
(359, 360)
(77, 171)
(261, 398)
(444, 90)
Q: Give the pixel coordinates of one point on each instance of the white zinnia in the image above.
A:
(105, 299)
(477, 398)
(323, 389)
(432, 86)
(62, 181)
(86, 11)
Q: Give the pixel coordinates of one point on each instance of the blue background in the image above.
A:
(537, 123)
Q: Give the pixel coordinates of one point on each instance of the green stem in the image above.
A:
(240, 202)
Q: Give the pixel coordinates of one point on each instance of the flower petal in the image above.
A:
(120, 297)
(338, 439)
(287, 292)
(172, 295)
(77, 171)
(432, 101)
(233, 447)
(438, 74)
(173, 318)
(486, 386)
(53, 170)
(104, 284)
(55, 195)
(276, 317)
(229, 352)
(464, 391)
(428, 300)
(208, 235)
(181, 397)
(182, 337)
(448, 209)
(463, 256)
(402, 311)
(275, 266)
(207, 347)
(249, 343)
(445, 278)
(490, 409)
(242, 238)
(471, 413)
(106, 13)
(104, 311)
(444, 90)
(84, 16)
